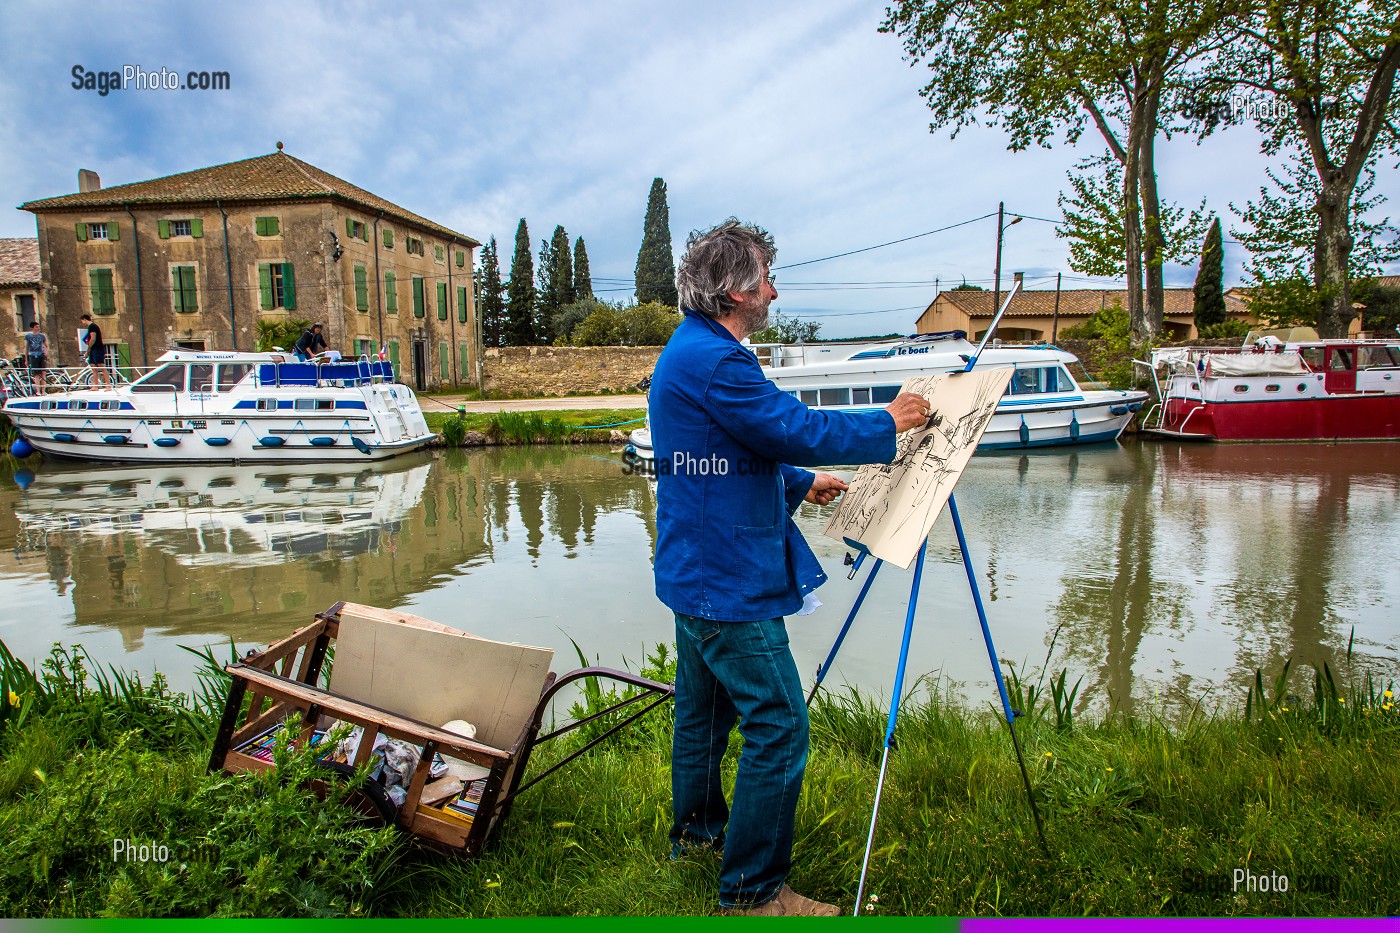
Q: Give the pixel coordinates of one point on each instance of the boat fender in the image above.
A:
(1118, 410)
(21, 448)
(360, 445)
(115, 439)
(322, 441)
(1025, 431)
(167, 441)
(272, 441)
(1074, 426)
(216, 441)
(65, 438)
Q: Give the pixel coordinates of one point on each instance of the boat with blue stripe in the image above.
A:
(199, 406)
(1044, 406)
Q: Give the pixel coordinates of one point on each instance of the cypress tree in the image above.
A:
(490, 302)
(545, 308)
(561, 269)
(520, 297)
(656, 266)
(1210, 280)
(583, 279)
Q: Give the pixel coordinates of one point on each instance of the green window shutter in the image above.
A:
(274, 226)
(103, 297)
(418, 296)
(177, 288)
(391, 293)
(124, 359)
(461, 304)
(464, 360)
(186, 296)
(349, 227)
(437, 253)
(361, 289)
(442, 300)
(394, 355)
(265, 285)
(163, 229)
(95, 286)
(113, 231)
(388, 239)
(260, 226)
(81, 230)
(289, 288)
(461, 259)
(444, 361)
(196, 228)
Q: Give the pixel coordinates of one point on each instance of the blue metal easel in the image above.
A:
(1008, 713)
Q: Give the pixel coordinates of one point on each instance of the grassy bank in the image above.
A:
(1143, 815)
(535, 427)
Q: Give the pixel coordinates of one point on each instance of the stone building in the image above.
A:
(1033, 315)
(21, 297)
(200, 259)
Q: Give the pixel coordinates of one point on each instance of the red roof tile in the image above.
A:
(273, 177)
(1075, 302)
(19, 262)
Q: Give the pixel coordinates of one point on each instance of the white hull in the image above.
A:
(331, 415)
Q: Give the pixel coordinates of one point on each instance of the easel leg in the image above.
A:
(894, 712)
(1007, 711)
(831, 658)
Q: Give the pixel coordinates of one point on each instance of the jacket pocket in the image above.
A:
(759, 561)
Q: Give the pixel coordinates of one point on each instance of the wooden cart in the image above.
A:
(399, 675)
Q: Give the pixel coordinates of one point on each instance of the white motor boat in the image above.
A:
(1044, 405)
(200, 406)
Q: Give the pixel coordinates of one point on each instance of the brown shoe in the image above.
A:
(787, 903)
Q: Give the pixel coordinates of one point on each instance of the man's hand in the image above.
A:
(909, 411)
(825, 489)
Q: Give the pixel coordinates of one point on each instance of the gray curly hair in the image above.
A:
(727, 258)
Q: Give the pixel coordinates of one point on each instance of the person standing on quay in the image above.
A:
(731, 563)
(36, 351)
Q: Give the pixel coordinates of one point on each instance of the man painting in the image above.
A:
(730, 562)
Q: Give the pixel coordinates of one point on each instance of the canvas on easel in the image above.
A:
(891, 507)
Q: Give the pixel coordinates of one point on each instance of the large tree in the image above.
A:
(656, 265)
(520, 293)
(583, 279)
(490, 296)
(1041, 70)
(561, 269)
(1209, 302)
(1318, 79)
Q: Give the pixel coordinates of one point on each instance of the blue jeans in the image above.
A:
(727, 671)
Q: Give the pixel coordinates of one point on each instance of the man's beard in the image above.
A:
(753, 316)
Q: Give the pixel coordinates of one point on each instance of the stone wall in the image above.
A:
(543, 371)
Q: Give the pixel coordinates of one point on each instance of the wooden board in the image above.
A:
(435, 674)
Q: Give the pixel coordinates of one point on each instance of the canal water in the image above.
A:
(1160, 573)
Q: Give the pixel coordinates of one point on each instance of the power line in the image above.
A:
(866, 249)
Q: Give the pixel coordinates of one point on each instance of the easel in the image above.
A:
(1008, 713)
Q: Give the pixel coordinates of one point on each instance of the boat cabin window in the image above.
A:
(267, 404)
(231, 374)
(883, 395)
(202, 377)
(1034, 380)
(808, 396)
(860, 396)
(1340, 359)
(1368, 357)
(835, 397)
(315, 404)
(1313, 357)
(169, 377)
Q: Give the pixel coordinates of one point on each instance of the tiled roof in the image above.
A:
(273, 177)
(1076, 302)
(19, 262)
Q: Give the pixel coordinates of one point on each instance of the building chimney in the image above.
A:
(88, 181)
(1020, 278)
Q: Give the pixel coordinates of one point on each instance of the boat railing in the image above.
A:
(323, 373)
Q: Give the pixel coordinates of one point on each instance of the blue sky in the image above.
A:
(796, 115)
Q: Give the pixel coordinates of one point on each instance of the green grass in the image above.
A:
(1144, 815)
(540, 427)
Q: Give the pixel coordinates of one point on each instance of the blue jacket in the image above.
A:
(727, 548)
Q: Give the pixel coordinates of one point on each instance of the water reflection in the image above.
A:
(1168, 570)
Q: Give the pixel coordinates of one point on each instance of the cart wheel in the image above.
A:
(377, 804)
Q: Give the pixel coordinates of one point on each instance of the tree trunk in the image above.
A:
(1331, 253)
(1132, 231)
(1153, 243)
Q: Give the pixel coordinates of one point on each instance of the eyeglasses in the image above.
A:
(772, 279)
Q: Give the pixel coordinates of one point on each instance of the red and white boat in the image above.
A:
(1299, 388)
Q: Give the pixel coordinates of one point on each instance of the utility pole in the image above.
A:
(996, 293)
(1055, 324)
